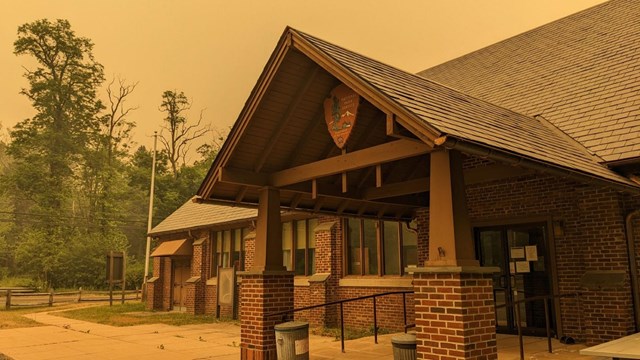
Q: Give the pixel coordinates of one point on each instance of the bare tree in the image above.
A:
(115, 123)
(181, 134)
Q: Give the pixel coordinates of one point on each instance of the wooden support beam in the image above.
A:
(286, 119)
(397, 189)
(378, 175)
(295, 200)
(268, 243)
(342, 206)
(382, 210)
(345, 186)
(241, 193)
(319, 203)
(362, 209)
(391, 123)
(314, 189)
(472, 176)
(387, 152)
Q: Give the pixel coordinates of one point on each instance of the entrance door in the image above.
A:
(181, 273)
(520, 253)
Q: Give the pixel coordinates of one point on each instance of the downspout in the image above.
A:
(633, 268)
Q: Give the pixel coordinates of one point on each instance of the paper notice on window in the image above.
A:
(522, 267)
(517, 253)
(302, 346)
(532, 252)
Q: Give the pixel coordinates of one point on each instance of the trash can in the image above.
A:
(292, 340)
(404, 347)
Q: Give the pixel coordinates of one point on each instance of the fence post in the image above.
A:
(79, 294)
(50, 297)
(375, 321)
(8, 303)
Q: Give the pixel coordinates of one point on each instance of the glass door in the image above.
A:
(519, 251)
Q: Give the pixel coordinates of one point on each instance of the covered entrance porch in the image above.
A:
(331, 132)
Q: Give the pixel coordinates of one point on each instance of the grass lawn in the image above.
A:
(11, 319)
(133, 313)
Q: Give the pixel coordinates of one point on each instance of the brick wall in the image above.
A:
(359, 314)
(593, 239)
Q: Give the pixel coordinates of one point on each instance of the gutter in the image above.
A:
(451, 143)
(633, 268)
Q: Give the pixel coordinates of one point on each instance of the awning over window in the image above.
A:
(173, 248)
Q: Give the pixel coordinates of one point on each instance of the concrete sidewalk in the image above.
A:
(64, 338)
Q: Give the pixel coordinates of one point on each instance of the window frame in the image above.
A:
(216, 258)
(294, 243)
(381, 255)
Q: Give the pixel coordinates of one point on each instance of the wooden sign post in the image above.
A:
(116, 272)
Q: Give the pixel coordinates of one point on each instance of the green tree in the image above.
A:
(62, 90)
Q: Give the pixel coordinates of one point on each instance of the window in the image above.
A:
(227, 249)
(379, 247)
(298, 246)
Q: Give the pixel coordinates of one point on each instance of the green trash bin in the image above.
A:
(292, 340)
(404, 347)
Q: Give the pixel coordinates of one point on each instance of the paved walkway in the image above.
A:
(64, 338)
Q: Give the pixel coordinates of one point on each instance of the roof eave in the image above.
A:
(468, 147)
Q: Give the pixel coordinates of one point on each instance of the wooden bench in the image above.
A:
(627, 347)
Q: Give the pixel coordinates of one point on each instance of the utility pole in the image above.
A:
(151, 191)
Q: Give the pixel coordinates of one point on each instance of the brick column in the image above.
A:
(154, 287)
(267, 287)
(455, 315)
(262, 293)
(199, 267)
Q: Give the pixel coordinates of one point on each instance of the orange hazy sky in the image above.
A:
(215, 50)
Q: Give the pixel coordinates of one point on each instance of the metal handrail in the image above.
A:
(546, 299)
(341, 302)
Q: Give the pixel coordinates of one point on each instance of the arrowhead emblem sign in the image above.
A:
(340, 112)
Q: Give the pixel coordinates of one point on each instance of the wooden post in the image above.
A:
(137, 292)
(50, 297)
(124, 275)
(110, 278)
(79, 294)
(8, 303)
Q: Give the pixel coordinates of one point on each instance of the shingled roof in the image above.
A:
(581, 73)
(193, 215)
(465, 117)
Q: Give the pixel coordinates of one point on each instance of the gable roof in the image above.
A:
(428, 109)
(454, 113)
(582, 73)
(193, 215)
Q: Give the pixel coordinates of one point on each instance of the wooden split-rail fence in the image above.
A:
(23, 297)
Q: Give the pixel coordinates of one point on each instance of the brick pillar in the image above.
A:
(455, 315)
(267, 287)
(154, 287)
(166, 282)
(199, 268)
(262, 293)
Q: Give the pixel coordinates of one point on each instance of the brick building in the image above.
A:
(517, 178)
